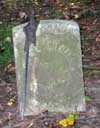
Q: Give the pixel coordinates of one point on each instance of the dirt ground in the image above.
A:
(9, 114)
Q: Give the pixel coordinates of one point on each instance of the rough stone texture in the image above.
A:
(55, 79)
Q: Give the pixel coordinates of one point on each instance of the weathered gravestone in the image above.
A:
(55, 78)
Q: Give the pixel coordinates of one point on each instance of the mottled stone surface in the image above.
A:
(55, 79)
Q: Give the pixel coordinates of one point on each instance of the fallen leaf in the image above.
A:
(1, 108)
(11, 102)
(97, 39)
(73, 115)
(70, 121)
(63, 123)
(53, 126)
(30, 125)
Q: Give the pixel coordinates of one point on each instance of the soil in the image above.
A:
(9, 114)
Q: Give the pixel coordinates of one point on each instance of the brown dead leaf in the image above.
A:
(30, 125)
(58, 1)
(65, 14)
(1, 108)
(10, 68)
(1, 120)
(53, 126)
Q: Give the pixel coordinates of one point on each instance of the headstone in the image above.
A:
(55, 80)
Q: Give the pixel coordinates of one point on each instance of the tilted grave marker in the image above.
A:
(55, 80)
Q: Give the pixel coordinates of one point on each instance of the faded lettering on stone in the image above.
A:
(55, 69)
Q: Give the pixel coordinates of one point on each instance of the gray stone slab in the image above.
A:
(55, 79)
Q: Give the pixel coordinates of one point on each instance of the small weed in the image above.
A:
(87, 39)
(6, 46)
(85, 2)
(89, 73)
(88, 98)
(89, 13)
(95, 28)
(58, 13)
